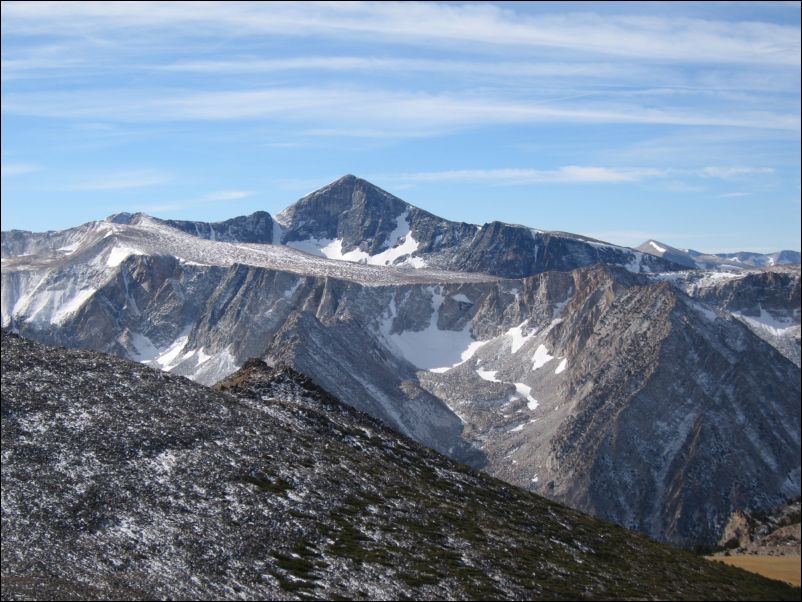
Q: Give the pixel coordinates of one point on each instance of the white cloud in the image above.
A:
(16, 169)
(364, 109)
(663, 37)
(732, 172)
(734, 195)
(566, 174)
(494, 68)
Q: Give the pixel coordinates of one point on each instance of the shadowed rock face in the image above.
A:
(123, 482)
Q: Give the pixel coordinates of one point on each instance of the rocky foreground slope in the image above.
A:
(119, 481)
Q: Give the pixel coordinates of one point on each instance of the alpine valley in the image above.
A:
(652, 388)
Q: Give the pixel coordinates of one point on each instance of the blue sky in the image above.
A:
(624, 121)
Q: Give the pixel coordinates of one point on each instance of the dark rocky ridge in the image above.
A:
(363, 215)
(124, 482)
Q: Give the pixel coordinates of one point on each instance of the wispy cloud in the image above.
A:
(495, 68)
(664, 37)
(368, 110)
(732, 172)
(566, 174)
(734, 195)
(120, 181)
(16, 169)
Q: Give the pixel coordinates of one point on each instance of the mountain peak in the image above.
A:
(348, 185)
(341, 208)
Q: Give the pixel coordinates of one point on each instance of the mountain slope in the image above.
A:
(120, 481)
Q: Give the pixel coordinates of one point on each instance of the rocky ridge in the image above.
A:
(124, 482)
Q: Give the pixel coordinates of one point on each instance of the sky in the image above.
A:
(622, 121)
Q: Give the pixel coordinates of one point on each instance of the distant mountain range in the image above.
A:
(621, 383)
(694, 259)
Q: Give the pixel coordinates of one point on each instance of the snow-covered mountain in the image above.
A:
(620, 391)
(695, 259)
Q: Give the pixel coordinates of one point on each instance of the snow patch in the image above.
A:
(72, 305)
(168, 359)
(461, 298)
(120, 254)
(431, 348)
(518, 338)
(526, 391)
(278, 232)
(332, 248)
(561, 367)
(489, 375)
(143, 348)
(541, 357)
(704, 311)
(768, 323)
(67, 249)
(657, 247)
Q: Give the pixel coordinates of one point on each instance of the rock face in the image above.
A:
(772, 533)
(123, 482)
(766, 300)
(627, 394)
